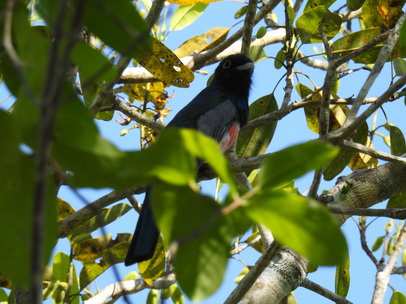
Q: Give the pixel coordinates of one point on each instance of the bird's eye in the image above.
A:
(227, 64)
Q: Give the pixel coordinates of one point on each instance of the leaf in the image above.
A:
(353, 5)
(200, 43)
(397, 140)
(399, 65)
(17, 173)
(103, 218)
(63, 209)
(192, 2)
(343, 278)
(3, 296)
(397, 298)
(307, 25)
(397, 201)
(182, 215)
(241, 11)
(257, 53)
(390, 11)
(299, 223)
(185, 15)
(118, 24)
(311, 4)
(293, 162)
(154, 268)
(166, 66)
(255, 141)
(377, 243)
(261, 32)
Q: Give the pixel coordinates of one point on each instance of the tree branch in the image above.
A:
(324, 292)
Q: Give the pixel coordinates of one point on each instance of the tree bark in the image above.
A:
(361, 189)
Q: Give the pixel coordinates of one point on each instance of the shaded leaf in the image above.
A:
(301, 224)
(257, 53)
(377, 243)
(307, 25)
(185, 15)
(390, 12)
(397, 201)
(166, 66)
(200, 43)
(118, 24)
(399, 65)
(293, 162)
(397, 140)
(353, 5)
(255, 141)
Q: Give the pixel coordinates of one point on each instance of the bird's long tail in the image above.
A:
(145, 237)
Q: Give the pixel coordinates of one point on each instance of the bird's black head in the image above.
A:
(234, 73)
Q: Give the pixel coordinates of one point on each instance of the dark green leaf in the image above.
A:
(255, 141)
(117, 23)
(261, 32)
(188, 218)
(353, 5)
(397, 201)
(301, 224)
(293, 162)
(279, 59)
(241, 12)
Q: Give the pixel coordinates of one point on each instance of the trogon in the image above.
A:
(219, 111)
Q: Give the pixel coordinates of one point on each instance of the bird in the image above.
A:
(219, 111)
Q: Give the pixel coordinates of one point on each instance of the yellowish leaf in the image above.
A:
(166, 66)
(202, 42)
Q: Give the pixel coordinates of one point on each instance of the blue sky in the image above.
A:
(291, 130)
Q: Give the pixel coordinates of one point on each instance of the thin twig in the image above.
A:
(395, 213)
(324, 292)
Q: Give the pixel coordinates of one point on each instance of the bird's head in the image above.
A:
(234, 73)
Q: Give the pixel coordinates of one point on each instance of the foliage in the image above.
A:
(68, 54)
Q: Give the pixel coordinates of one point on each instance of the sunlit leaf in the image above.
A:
(185, 15)
(390, 12)
(311, 4)
(301, 224)
(166, 66)
(192, 2)
(153, 268)
(293, 162)
(343, 278)
(63, 209)
(200, 43)
(307, 25)
(397, 298)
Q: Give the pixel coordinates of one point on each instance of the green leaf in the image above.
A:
(343, 278)
(279, 59)
(192, 220)
(255, 141)
(17, 173)
(261, 32)
(3, 296)
(293, 162)
(397, 140)
(311, 4)
(105, 217)
(397, 298)
(257, 53)
(353, 5)
(118, 24)
(399, 65)
(300, 223)
(397, 201)
(307, 25)
(241, 12)
(185, 15)
(377, 243)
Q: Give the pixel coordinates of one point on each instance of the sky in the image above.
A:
(291, 130)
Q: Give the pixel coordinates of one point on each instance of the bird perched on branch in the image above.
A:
(219, 111)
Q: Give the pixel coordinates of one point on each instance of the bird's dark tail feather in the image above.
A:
(145, 237)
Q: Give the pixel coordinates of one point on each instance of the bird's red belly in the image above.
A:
(230, 137)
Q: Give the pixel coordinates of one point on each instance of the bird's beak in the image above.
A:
(247, 66)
